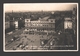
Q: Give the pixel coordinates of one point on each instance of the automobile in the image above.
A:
(10, 41)
(52, 42)
(43, 41)
(13, 39)
(16, 37)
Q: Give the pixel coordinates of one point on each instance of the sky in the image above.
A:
(8, 7)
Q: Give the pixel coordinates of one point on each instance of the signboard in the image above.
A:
(67, 25)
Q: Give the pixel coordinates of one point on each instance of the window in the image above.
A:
(51, 20)
(37, 24)
(41, 25)
(27, 20)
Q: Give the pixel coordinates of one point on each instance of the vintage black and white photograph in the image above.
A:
(29, 27)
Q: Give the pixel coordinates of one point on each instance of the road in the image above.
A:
(33, 41)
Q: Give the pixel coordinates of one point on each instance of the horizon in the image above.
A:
(33, 11)
(27, 7)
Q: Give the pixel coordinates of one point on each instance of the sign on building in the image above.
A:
(16, 24)
(67, 25)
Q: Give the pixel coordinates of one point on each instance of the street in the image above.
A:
(33, 41)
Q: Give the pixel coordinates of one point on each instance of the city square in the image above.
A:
(41, 29)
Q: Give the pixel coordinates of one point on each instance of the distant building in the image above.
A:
(7, 25)
(74, 20)
(40, 25)
(67, 23)
(64, 24)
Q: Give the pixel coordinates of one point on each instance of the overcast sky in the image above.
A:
(8, 7)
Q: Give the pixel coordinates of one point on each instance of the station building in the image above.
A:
(41, 25)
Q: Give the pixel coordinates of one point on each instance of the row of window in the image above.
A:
(27, 20)
(46, 25)
(38, 29)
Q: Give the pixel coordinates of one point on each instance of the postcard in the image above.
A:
(40, 27)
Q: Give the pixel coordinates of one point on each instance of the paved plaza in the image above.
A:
(35, 41)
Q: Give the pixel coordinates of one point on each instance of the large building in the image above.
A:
(40, 25)
(67, 23)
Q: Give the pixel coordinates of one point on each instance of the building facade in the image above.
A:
(7, 25)
(67, 23)
(40, 25)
